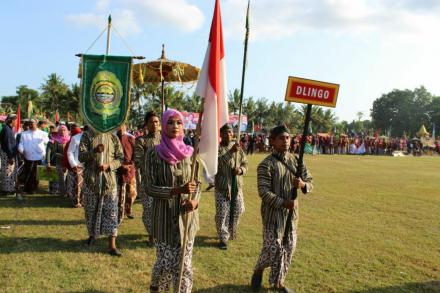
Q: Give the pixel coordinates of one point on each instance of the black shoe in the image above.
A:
(284, 290)
(115, 252)
(130, 216)
(222, 245)
(256, 282)
(209, 187)
(90, 241)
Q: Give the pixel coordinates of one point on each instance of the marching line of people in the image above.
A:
(105, 172)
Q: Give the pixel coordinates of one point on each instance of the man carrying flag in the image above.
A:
(229, 179)
(277, 183)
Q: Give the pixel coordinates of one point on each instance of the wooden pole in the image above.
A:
(163, 95)
(186, 217)
(240, 109)
(109, 27)
(243, 73)
(307, 119)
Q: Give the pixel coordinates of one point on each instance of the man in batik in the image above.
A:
(101, 155)
(229, 203)
(143, 143)
(277, 184)
(126, 175)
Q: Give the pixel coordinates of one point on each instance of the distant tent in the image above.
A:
(422, 132)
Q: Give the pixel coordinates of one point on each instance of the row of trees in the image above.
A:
(404, 111)
(395, 113)
(55, 96)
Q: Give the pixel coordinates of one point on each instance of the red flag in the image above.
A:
(17, 128)
(57, 116)
(212, 87)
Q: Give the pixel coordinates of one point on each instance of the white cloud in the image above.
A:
(128, 14)
(274, 19)
(102, 5)
(123, 20)
(87, 20)
(173, 13)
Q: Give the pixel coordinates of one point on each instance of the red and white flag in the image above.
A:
(212, 87)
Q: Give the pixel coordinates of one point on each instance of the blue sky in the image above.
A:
(369, 47)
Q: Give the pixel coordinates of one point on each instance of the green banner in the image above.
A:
(105, 91)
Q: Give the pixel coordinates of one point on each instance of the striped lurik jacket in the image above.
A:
(160, 179)
(142, 145)
(112, 156)
(275, 186)
(226, 162)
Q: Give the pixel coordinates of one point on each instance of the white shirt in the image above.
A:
(33, 144)
(73, 151)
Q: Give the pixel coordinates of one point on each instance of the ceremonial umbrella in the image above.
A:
(164, 70)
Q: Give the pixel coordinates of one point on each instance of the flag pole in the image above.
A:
(240, 110)
(243, 73)
(186, 217)
(109, 28)
(299, 170)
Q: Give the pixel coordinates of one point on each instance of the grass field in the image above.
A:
(372, 224)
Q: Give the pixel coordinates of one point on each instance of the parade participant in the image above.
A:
(75, 168)
(143, 143)
(55, 154)
(167, 180)
(101, 155)
(276, 184)
(8, 156)
(229, 179)
(33, 147)
(126, 175)
(42, 125)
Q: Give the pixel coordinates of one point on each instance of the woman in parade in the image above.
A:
(55, 154)
(8, 154)
(168, 181)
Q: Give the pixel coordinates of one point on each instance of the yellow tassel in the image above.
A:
(141, 76)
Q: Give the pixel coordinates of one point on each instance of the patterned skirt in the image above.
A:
(74, 184)
(7, 174)
(225, 229)
(101, 212)
(166, 270)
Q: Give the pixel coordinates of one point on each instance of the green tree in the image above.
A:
(234, 101)
(54, 92)
(70, 102)
(402, 111)
(24, 94)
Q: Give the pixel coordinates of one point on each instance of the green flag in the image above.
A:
(105, 91)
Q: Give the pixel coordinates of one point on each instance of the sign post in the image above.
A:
(310, 92)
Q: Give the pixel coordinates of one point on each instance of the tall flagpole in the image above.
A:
(107, 51)
(187, 216)
(246, 39)
(234, 190)
(109, 28)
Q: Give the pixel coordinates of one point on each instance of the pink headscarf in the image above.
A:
(172, 150)
(59, 137)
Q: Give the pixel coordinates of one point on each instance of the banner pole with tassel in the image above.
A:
(234, 191)
(187, 216)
